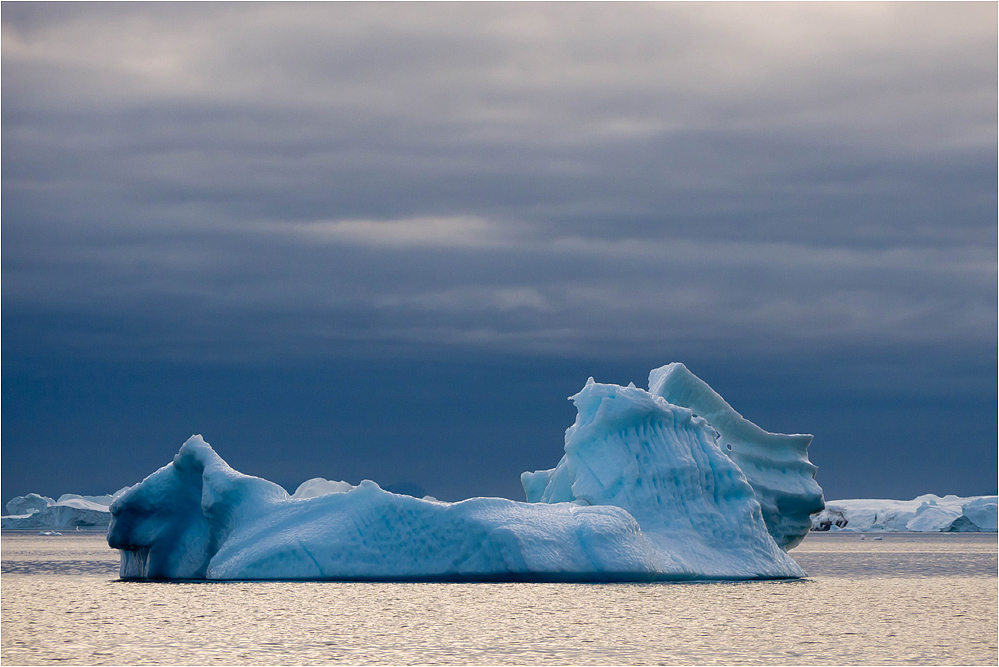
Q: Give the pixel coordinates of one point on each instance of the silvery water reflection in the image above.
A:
(914, 599)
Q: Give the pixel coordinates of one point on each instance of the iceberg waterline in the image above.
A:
(645, 491)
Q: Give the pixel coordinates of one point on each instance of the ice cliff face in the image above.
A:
(776, 465)
(643, 493)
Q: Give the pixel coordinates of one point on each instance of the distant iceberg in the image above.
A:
(29, 504)
(644, 492)
(35, 512)
(927, 513)
(317, 486)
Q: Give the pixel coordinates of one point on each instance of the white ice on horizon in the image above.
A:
(317, 486)
(35, 512)
(926, 513)
(652, 497)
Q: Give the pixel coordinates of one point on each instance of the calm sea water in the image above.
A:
(904, 599)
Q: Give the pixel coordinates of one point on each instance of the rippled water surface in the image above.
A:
(910, 599)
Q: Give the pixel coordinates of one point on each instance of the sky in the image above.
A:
(387, 241)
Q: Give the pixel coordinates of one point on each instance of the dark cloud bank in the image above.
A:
(387, 241)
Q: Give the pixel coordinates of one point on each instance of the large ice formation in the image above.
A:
(35, 512)
(926, 513)
(776, 465)
(643, 493)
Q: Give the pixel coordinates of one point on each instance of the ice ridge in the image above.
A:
(776, 465)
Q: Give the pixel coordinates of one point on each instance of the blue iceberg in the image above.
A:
(645, 492)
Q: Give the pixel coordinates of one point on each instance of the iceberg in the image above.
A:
(926, 513)
(29, 504)
(643, 493)
(776, 465)
(317, 486)
(34, 512)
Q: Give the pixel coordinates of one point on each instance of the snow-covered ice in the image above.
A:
(644, 492)
(926, 513)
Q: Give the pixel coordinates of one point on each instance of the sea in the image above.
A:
(885, 599)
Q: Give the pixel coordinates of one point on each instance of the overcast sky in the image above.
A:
(388, 240)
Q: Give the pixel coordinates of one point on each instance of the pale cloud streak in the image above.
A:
(456, 232)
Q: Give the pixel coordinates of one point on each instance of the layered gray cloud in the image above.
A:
(230, 180)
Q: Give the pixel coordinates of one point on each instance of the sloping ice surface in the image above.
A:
(776, 465)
